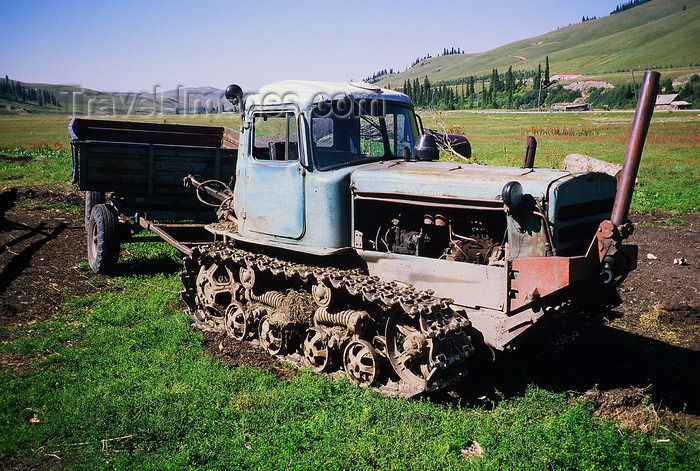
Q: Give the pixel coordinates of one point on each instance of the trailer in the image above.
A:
(132, 174)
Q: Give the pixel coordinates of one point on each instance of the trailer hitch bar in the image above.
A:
(220, 192)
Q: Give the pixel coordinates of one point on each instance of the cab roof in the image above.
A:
(305, 93)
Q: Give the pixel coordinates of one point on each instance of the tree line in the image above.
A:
(377, 75)
(510, 90)
(514, 90)
(11, 89)
(447, 51)
(628, 5)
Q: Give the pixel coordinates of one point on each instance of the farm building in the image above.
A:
(579, 104)
(670, 102)
(554, 78)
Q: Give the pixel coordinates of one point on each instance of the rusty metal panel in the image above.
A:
(536, 277)
(526, 237)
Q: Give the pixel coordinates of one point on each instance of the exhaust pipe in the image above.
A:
(635, 144)
(530, 149)
(612, 231)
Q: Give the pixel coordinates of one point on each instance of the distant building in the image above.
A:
(554, 78)
(670, 102)
(579, 104)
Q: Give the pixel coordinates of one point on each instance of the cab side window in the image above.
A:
(275, 136)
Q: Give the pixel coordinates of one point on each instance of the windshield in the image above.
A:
(354, 132)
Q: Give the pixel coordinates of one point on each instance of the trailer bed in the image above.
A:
(143, 164)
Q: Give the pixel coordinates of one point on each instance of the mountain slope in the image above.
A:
(657, 34)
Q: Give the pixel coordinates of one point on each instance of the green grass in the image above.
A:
(40, 204)
(34, 132)
(44, 165)
(120, 381)
(673, 221)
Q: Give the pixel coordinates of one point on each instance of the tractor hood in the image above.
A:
(575, 202)
(444, 180)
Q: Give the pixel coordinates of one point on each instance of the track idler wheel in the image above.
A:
(273, 337)
(408, 350)
(216, 288)
(361, 363)
(317, 353)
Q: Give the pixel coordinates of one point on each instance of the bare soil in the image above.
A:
(650, 344)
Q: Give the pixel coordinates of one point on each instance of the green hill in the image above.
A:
(76, 100)
(660, 34)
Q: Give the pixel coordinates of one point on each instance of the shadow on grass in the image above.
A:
(600, 357)
(148, 266)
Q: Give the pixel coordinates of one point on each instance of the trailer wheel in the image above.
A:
(92, 199)
(102, 239)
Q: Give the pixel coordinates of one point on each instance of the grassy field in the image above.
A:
(120, 381)
(668, 177)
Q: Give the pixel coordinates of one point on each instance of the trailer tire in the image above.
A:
(92, 199)
(102, 239)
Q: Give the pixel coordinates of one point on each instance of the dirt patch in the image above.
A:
(630, 408)
(235, 353)
(48, 195)
(16, 362)
(662, 298)
(627, 408)
(652, 342)
(39, 252)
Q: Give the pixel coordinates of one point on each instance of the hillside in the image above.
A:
(80, 101)
(659, 34)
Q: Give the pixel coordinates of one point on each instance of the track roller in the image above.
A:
(361, 363)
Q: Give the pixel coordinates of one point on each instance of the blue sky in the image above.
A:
(136, 45)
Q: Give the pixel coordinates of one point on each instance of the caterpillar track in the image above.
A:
(384, 335)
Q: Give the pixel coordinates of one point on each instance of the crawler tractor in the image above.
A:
(327, 232)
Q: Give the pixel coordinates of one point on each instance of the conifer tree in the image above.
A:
(494, 82)
(546, 72)
(427, 95)
(510, 84)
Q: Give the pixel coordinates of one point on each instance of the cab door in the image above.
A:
(275, 176)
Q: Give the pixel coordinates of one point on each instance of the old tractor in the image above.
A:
(327, 232)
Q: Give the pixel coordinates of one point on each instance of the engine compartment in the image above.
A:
(467, 235)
